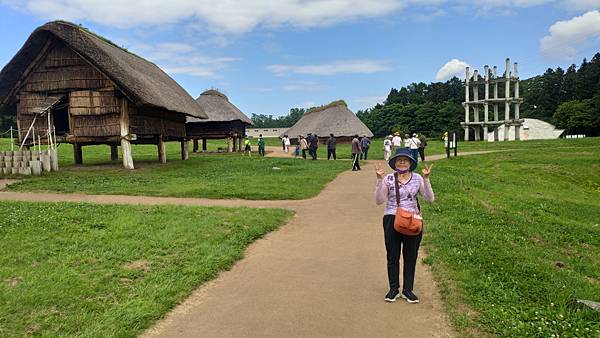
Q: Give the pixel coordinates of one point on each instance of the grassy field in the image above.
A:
(70, 269)
(514, 238)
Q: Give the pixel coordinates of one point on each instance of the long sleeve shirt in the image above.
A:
(385, 191)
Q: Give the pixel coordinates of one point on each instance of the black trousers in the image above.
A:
(261, 151)
(355, 164)
(313, 153)
(394, 242)
(331, 152)
(422, 153)
(304, 154)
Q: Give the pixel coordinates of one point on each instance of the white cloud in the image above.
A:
(337, 67)
(452, 68)
(234, 16)
(181, 58)
(567, 36)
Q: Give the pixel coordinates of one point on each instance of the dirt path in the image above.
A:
(322, 274)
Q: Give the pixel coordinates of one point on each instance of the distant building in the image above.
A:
(266, 132)
(532, 129)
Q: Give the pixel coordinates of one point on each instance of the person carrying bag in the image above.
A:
(402, 220)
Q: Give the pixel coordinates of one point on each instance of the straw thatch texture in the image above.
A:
(217, 107)
(334, 118)
(143, 83)
(224, 119)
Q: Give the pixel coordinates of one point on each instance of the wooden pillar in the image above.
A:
(125, 141)
(195, 148)
(162, 153)
(203, 144)
(466, 104)
(485, 105)
(185, 154)
(234, 144)
(114, 152)
(77, 153)
(240, 144)
(230, 144)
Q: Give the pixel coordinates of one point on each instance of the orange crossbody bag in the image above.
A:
(406, 222)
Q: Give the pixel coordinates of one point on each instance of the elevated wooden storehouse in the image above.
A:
(334, 118)
(225, 121)
(91, 91)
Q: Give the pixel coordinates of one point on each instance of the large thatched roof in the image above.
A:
(140, 80)
(218, 108)
(334, 118)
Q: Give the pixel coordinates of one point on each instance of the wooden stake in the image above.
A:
(185, 155)
(162, 156)
(125, 142)
(12, 142)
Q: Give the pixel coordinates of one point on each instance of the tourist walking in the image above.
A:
(286, 143)
(407, 141)
(413, 144)
(396, 142)
(400, 190)
(303, 146)
(331, 146)
(261, 145)
(247, 147)
(313, 146)
(365, 144)
(422, 146)
(356, 151)
(387, 147)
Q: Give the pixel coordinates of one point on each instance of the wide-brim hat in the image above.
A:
(406, 153)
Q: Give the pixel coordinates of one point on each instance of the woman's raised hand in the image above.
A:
(427, 171)
(379, 172)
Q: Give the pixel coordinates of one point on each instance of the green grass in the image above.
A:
(514, 238)
(223, 176)
(74, 269)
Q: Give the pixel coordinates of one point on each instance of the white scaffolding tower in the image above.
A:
(472, 85)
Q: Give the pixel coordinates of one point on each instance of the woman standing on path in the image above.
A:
(410, 184)
(303, 145)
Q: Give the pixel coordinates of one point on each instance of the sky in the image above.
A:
(269, 56)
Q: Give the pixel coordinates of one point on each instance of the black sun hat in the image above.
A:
(406, 153)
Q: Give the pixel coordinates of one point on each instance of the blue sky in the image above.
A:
(270, 56)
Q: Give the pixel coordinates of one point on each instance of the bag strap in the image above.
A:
(397, 189)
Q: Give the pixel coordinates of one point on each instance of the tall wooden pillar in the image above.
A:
(234, 144)
(203, 144)
(77, 153)
(185, 154)
(125, 141)
(162, 153)
(114, 152)
(195, 149)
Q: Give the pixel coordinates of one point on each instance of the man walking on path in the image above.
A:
(331, 147)
(365, 143)
(261, 145)
(356, 151)
(313, 146)
(423, 140)
(413, 144)
(247, 147)
(396, 142)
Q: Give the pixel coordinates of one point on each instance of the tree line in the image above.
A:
(568, 99)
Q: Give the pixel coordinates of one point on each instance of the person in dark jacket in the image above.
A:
(356, 151)
(313, 146)
(422, 146)
(365, 144)
(331, 147)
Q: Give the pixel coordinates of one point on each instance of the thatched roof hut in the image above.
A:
(334, 118)
(108, 95)
(225, 121)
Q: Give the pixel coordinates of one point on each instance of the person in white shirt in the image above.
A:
(396, 142)
(286, 143)
(387, 147)
(413, 145)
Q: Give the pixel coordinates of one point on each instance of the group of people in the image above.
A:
(415, 143)
(248, 146)
(309, 143)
